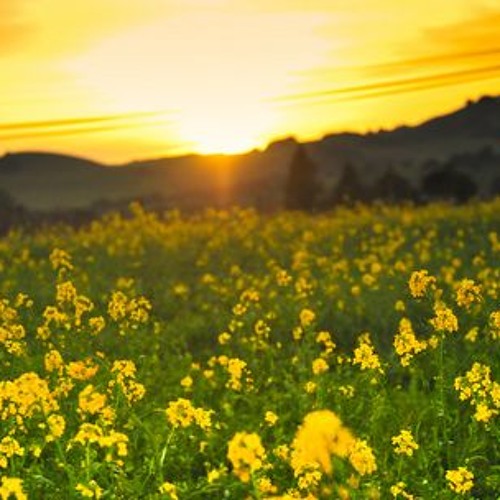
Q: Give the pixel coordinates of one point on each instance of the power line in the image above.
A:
(486, 71)
(65, 122)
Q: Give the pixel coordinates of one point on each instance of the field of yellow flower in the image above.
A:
(228, 354)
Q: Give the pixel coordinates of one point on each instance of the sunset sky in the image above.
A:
(116, 80)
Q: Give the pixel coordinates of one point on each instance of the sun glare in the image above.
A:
(219, 128)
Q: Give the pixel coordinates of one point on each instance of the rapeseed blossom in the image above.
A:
(467, 293)
(365, 355)
(460, 480)
(321, 435)
(246, 454)
(362, 458)
(169, 489)
(444, 319)
(182, 413)
(12, 486)
(420, 282)
(398, 491)
(406, 343)
(404, 443)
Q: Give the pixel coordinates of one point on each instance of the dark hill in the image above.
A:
(467, 139)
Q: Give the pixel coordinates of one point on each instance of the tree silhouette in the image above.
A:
(349, 187)
(393, 187)
(301, 186)
(10, 212)
(449, 184)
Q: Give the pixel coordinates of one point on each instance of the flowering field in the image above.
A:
(233, 355)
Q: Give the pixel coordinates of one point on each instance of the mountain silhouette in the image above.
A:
(466, 140)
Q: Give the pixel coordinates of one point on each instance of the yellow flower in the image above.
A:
(265, 486)
(406, 343)
(320, 435)
(494, 322)
(307, 317)
(8, 448)
(404, 443)
(60, 259)
(460, 480)
(91, 401)
(326, 339)
(365, 356)
(246, 454)
(215, 474)
(419, 282)
(90, 490)
(53, 361)
(398, 490)
(12, 486)
(310, 387)
(271, 418)
(181, 413)
(224, 338)
(444, 319)
(82, 370)
(169, 489)
(187, 382)
(236, 368)
(57, 425)
(319, 366)
(484, 413)
(467, 293)
(362, 458)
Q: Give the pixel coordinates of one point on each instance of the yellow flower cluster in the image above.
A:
(12, 486)
(237, 370)
(467, 293)
(124, 371)
(12, 332)
(246, 454)
(406, 343)
(321, 435)
(404, 443)
(365, 355)
(82, 370)
(362, 458)
(169, 489)
(420, 282)
(60, 259)
(25, 396)
(89, 490)
(57, 425)
(129, 313)
(9, 447)
(483, 392)
(325, 338)
(93, 402)
(494, 322)
(460, 480)
(115, 443)
(319, 366)
(444, 319)
(182, 413)
(398, 490)
(271, 418)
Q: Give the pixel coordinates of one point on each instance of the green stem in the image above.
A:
(163, 453)
(442, 398)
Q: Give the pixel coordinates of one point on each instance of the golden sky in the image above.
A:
(117, 80)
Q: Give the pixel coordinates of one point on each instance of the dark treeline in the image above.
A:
(304, 189)
(441, 182)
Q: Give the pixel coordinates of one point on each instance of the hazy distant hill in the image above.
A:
(467, 140)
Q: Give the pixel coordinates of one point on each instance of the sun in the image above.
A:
(217, 127)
